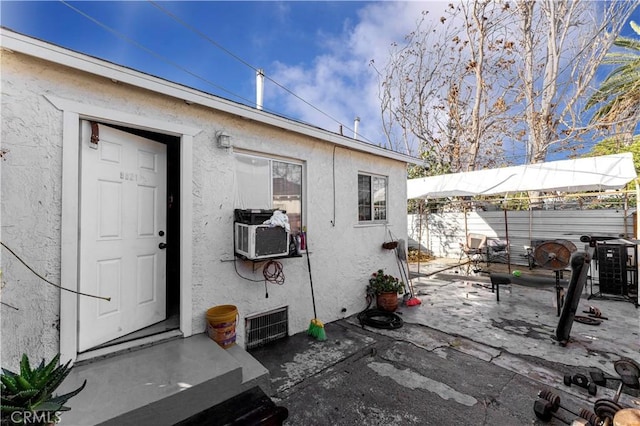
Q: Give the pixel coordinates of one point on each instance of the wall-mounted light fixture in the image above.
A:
(223, 139)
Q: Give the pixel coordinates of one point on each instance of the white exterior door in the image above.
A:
(122, 230)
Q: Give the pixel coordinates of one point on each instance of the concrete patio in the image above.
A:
(524, 320)
(461, 357)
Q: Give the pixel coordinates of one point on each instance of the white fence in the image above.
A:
(440, 234)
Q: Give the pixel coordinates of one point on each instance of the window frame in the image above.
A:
(372, 207)
(274, 158)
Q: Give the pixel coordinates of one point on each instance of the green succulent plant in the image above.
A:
(28, 396)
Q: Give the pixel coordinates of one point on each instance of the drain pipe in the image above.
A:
(259, 88)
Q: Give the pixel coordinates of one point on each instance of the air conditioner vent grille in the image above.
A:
(266, 327)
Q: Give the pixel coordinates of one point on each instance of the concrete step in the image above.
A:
(253, 372)
(161, 384)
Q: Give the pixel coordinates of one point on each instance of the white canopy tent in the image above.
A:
(601, 173)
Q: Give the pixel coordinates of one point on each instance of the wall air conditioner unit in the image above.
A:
(255, 242)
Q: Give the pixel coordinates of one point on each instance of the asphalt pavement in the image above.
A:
(360, 377)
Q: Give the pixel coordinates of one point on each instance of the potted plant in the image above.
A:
(385, 288)
(27, 397)
(390, 245)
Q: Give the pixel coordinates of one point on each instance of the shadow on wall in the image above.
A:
(414, 245)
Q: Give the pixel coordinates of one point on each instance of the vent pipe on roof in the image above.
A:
(355, 127)
(259, 88)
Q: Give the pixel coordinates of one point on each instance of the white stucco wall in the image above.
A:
(343, 253)
(342, 256)
(31, 203)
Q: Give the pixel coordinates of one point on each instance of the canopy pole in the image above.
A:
(626, 213)
(530, 227)
(419, 233)
(637, 223)
(506, 231)
(466, 229)
(637, 233)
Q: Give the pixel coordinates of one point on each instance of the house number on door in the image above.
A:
(128, 176)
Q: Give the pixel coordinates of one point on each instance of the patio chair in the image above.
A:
(474, 249)
(497, 251)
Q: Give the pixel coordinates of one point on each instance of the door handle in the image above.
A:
(162, 246)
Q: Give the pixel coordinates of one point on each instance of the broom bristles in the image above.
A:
(316, 330)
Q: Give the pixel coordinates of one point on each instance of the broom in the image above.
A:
(316, 327)
(401, 258)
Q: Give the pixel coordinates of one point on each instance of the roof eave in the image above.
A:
(46, 51)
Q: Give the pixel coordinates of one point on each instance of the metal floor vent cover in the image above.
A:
(263, 328)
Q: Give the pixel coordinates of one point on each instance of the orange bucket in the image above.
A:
(221, 325)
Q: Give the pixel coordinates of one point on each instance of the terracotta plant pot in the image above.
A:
(387, 301)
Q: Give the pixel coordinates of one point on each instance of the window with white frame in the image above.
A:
(270, 183)
(372, 198)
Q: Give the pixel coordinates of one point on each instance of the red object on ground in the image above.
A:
(413, 301)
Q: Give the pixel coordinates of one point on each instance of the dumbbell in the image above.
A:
(545, 411)
(600, 379)
(582, 381)
(607, 409)
(629, 373)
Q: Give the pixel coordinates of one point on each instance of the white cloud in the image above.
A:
(341, 83)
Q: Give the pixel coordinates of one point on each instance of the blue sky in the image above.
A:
(318, 50)
(308, 47)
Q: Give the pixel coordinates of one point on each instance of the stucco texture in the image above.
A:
(343, 253)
